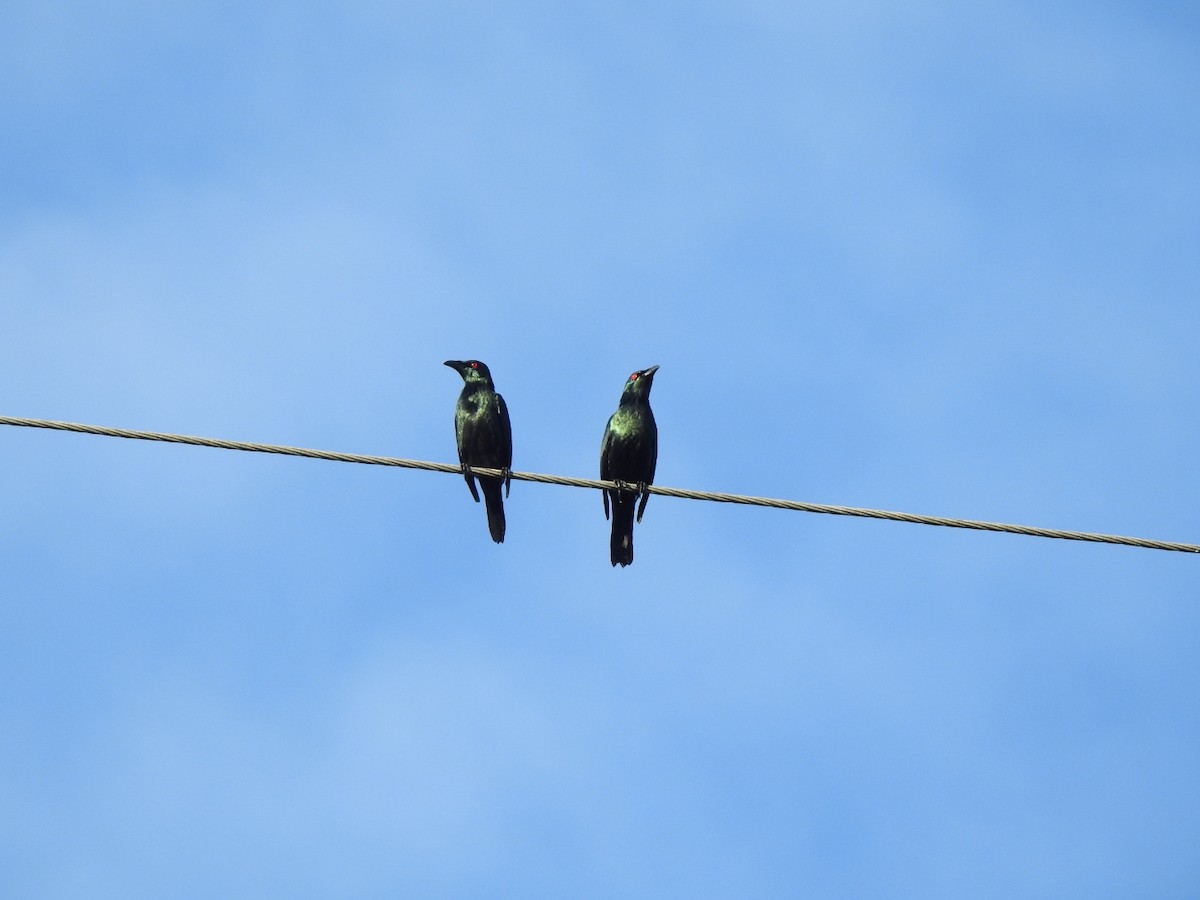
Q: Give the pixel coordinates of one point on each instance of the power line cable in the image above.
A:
(596, 484)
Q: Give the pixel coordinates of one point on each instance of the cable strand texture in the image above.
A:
(597, 484)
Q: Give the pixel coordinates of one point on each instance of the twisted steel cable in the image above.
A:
(600, 485)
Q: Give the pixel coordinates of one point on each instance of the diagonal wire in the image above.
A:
(597, 484)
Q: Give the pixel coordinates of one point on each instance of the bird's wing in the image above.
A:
(504, 427)
(606, 461)
(459, 426)
(458, 436)
(653, 451)
(505, 430)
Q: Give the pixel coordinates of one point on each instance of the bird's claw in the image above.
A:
(644, 493)
(470, 477)
(507, 475)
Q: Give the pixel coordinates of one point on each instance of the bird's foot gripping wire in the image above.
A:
(470, 477)
(645, 495)
(507, 479)
(604, 493)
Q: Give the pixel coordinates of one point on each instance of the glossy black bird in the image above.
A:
(484, 437)
(629, 453)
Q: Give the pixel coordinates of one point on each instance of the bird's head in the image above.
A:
(473, 372)
(637, 386)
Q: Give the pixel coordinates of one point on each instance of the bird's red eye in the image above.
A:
(633, 377)
(474, 365)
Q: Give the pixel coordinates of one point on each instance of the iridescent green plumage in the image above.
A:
(484, 436)
(629, 453)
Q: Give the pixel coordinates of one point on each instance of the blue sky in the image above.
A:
(939, 258)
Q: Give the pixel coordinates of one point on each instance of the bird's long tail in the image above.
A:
(621, 545)
(494, 500)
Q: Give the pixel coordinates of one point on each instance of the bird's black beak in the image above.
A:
(455, 364)
(647, 373)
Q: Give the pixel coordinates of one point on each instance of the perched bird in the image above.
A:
(629, 453)
(484, 437)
